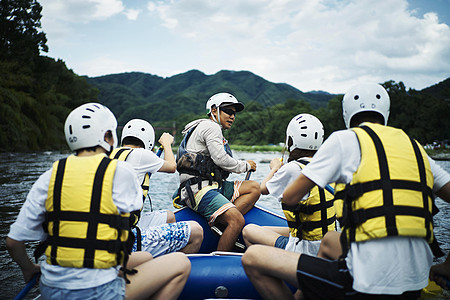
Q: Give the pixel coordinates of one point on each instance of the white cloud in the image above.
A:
(81, 11)
(310, 44)
(132, 14)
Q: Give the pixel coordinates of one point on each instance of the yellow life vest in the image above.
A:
(85, 229)
(122, 154)
(312, 218)
(390, 193)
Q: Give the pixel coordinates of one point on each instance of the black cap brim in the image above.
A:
(238, 106)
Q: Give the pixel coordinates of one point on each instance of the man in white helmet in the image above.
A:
(204, 161)
(385, 199)
(151, 228)
(80, 210)
(314, 215)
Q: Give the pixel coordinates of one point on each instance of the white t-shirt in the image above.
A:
(127, 196)
(390, 265)
(276, 185)
(144, 161)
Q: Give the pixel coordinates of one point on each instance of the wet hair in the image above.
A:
(133, 141)
(366, 116)
(298, 153)
(89, 149)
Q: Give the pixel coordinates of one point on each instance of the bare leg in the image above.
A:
(265, 235)
(138, 258)
(330, 246)
(268, 274)
(161, 278)
(249, 194)
(195, 240)
(234, 222)
(170, 217)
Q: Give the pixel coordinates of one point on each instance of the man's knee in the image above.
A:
(196, 231)
(250, 257)
(232, 218)
(254, 187)
(170, 217)
(249, 230)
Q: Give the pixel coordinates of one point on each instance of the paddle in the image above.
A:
(329, 188)
(158, 153)
(247, 177)
(21, 295)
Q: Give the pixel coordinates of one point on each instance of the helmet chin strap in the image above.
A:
(218, 117)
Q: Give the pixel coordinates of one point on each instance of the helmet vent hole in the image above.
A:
(86, 126)
(304, 135)
(142, 129)
(70, 129)
(316, 135)
(304, 127)
(86, 117)
(378, 96)
(356, 97)
(301, 121)
(90, 109)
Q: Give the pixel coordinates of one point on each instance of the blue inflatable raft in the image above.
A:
(220, 274)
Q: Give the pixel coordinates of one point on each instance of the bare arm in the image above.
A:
(440, 273)
(18, 253)
(169, 165)
(275, 165)
(444, 192)
(295, 191)
(437, 272)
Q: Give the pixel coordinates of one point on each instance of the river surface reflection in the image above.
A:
(18, 172)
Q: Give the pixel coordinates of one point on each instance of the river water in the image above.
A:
(18, 172)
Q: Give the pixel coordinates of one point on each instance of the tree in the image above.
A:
(20, 38)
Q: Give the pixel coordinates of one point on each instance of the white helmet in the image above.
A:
(86, 126)
(365, 97)
(141, 130)
(306, 132)
(223, 99)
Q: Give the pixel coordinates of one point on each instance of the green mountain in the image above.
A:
(150, 97)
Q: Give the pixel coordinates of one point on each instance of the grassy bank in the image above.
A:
(436, 153)
(257, 148)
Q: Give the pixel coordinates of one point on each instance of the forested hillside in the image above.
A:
(37, 93)
(140, 95)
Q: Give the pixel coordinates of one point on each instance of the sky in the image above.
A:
(326, 45)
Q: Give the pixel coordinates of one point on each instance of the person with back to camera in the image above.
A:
(386, 204)
(152, 233)
(204, 161)
(79, 209)
(314, 215)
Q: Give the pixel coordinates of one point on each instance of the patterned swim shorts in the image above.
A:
(163, 239)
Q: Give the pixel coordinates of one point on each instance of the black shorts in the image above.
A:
(320, 278)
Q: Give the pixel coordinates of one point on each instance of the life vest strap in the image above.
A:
(311, 225)
(114, 221)
(112, 246)
(362, 215)
(310, 209)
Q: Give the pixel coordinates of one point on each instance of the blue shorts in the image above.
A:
(112, 290)
(281, 242)
(217, 201)
(163, 239)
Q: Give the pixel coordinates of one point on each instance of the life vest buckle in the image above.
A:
(354, 191)
(359, 216)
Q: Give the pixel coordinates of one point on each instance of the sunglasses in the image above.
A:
(228, 111)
